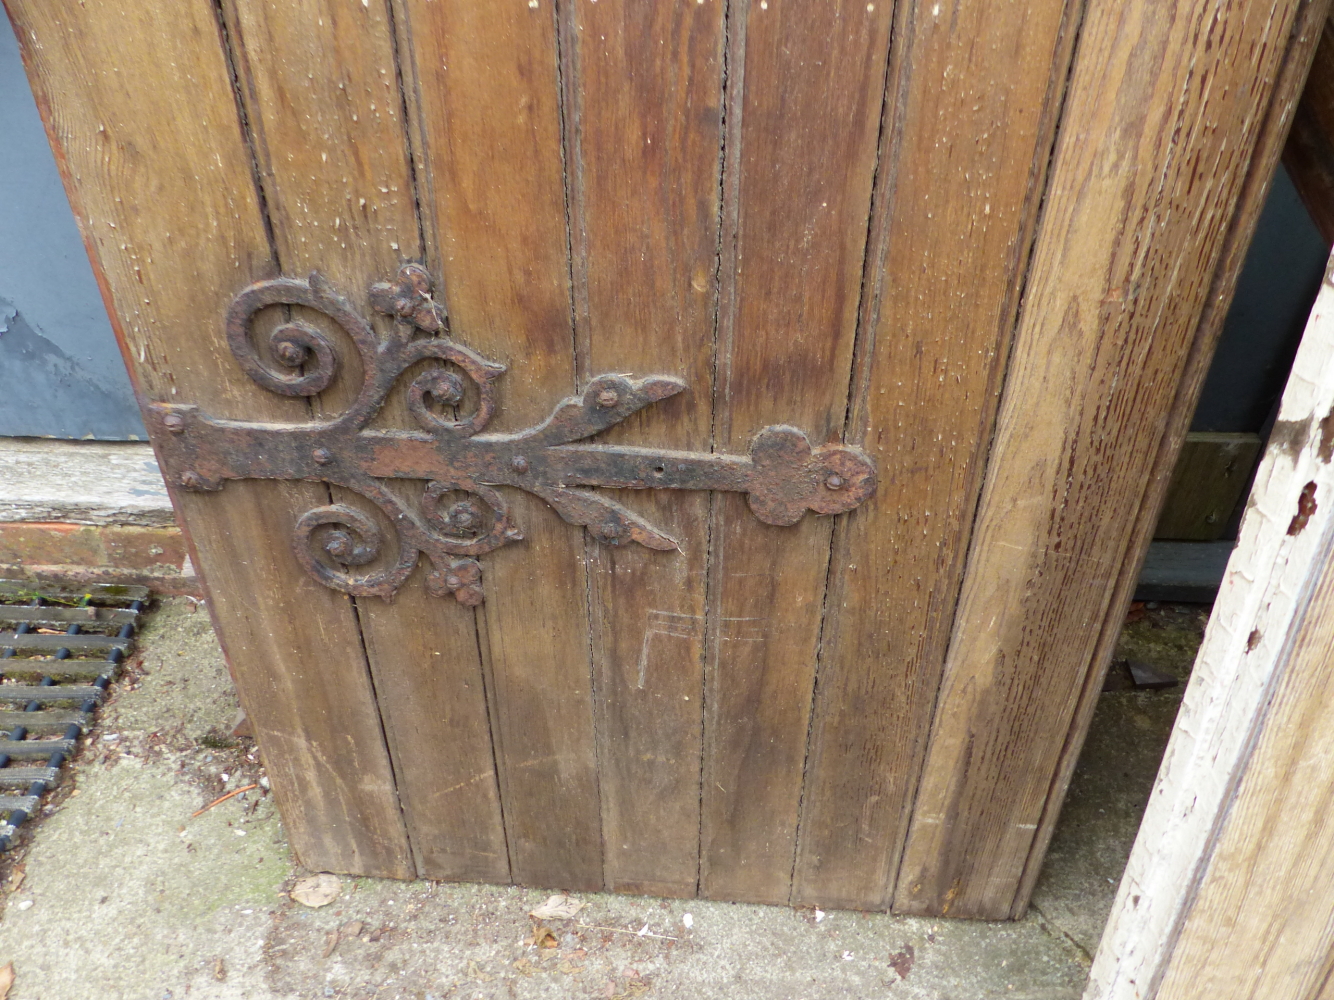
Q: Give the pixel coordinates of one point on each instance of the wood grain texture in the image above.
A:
(644, 105)
(1176, 95)
(1244, 737)
(804, 105)
(1309, 153)
(139, 105)
(484, 97)
(338, 181)
(968, 143)
(1255, 193)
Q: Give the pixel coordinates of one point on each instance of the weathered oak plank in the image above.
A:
(1255, 192)
(338, 181)
(644, 104)
(969, 140)
(806, 88)
(484, 97)
(1133, 227)
(164, 190)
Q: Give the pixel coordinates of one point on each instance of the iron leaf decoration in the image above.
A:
(461, 513)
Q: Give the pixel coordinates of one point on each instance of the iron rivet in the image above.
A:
(290, 354)
(190, 479)
(608, 397)
(834, 482)
(174, 422)
(519, 464)
(453, 582)
(322, 456)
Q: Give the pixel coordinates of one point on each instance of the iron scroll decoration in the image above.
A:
(461, 514)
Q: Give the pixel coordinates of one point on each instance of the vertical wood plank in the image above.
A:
(485, 97)
(140, 107)
(644, 86)
(976, 91)
(1133, 227)
(1255, 191)
(324, 103)
(806, 87)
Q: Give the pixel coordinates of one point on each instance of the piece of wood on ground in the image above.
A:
(1212, 471)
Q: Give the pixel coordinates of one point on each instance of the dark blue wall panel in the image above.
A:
(61, 374)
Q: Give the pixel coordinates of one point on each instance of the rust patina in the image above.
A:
(461, 514)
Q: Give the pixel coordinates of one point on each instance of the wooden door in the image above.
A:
(983, 245)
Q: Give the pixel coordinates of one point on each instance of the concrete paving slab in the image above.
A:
(121, 894)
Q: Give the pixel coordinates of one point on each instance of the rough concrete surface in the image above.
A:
(121, 894)
(1114, 776)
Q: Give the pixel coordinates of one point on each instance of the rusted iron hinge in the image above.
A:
(461, 514)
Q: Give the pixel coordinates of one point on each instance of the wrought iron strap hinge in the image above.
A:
(461, 514)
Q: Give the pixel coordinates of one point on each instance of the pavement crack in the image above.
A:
(1055, 930)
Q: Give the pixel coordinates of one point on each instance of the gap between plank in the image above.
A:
(710, 638)
(724, 325)
(565, 33)
(415, 149)
(397, 51)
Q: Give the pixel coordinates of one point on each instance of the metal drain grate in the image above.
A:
(59, 649)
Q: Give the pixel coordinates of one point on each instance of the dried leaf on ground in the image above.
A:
(219, 970)
(543, 937)
(526, 968)
(902, 961)
(16, 877)
(557, 908)
(474, 972)
(317, 890)
(333, 939)
(6, 980)
(637, 988)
